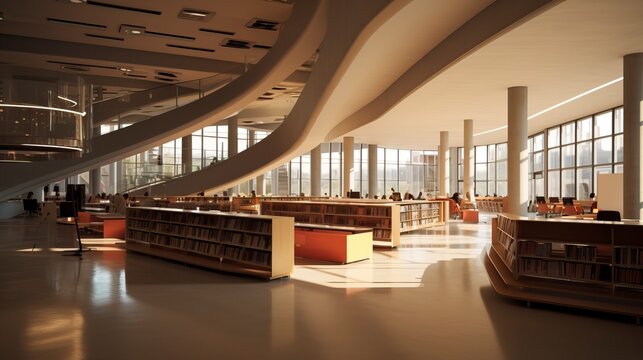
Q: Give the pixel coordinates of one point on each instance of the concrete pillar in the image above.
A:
(315, 171)
(260, 188)
(349, 164)
(372, 170)
(186, 154)
(632, 132)
(443, 163)
(517, 151)
(469, 166)
(233, 145)
(453, 170)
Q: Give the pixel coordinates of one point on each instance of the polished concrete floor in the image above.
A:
(428, 299)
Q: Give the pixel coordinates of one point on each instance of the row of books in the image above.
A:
(507, 225)
(629, 276)
(246, 255)
(533, 248)
(357, 221)
(381, 234)
(252, 240)
(202, 233)
(628, 256)
(248, 224)
(213, 249)
(418, 222)
(410, 216)
(423, 207)
(586, 253)
(204, 220)
(563, 269)
(209, 235)
(138, 235)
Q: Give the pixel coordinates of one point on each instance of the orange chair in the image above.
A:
(542, 209)
(570, 210)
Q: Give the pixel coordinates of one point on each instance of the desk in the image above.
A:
(342, 244)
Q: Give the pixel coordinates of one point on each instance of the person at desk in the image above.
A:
(457, 198)
(408, 196)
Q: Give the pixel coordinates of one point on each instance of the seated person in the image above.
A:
(419, 197)
(457, 198)
(408, 196)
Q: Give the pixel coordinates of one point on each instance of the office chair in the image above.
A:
(608, 215)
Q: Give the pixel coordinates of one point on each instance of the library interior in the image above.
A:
(299, 178)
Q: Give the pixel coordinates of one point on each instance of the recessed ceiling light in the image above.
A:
(125, 69)
(77, 1)
(1, 16)
(132, 29)
(194, 14)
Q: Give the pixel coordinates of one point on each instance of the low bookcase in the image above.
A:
(256, 245)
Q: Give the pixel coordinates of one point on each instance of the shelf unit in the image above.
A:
(581, 263)
(250, 244)
(387, 219)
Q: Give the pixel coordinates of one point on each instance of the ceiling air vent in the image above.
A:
(73, 68)
(264, 98)
(197, 15)
(167, 74)
(265, 47)
(105, 37)
(215, 31)
(236, 44)
(189, 48)
(125, 8)
(263, 24)
(279, 88)
(140, 76)
(81, 65)
(72, 22)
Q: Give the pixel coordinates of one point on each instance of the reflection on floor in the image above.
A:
(428, 299)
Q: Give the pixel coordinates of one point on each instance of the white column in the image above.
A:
(315, 171)
(517, 151)
(349, 164)
(260, 188)
(468, 161)
(372, 170)
(632, 132)
(443, 164)
(453, 169)
(233, 145)
(186, 153)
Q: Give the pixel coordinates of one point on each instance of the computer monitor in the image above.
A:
(568, 201)
(354, 194)
(540, 200)
(554, 199)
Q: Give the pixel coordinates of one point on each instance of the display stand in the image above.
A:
(72, 211)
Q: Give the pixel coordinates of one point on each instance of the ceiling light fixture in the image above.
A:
(24, 106)
(124, 69)
(73, 103)
(54, 146)
(132, 29)
(612, 82)
(194, 14)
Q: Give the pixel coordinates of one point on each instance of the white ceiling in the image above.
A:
(571, 48)
(28, 18)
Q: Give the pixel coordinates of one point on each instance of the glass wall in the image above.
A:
(564, 160)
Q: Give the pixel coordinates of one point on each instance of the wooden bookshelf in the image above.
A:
(596, 265)
(248, 205)
(250, 244)
(387, 219)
